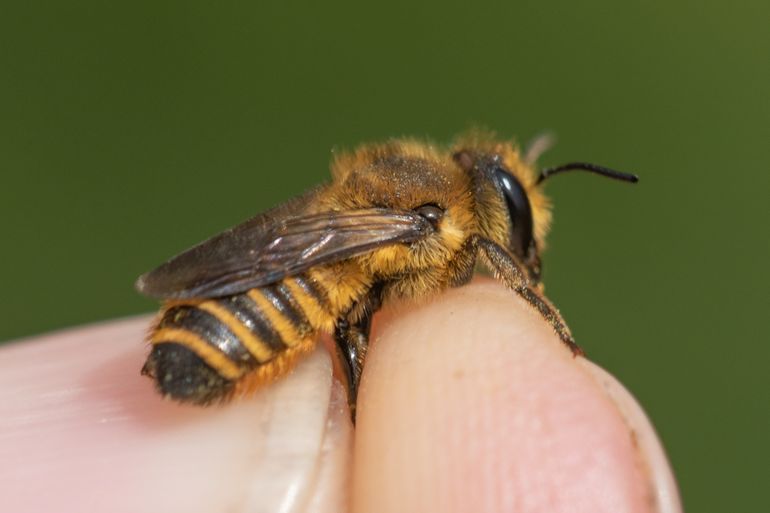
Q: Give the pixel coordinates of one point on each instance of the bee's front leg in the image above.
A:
(510, 272)
(351, 336)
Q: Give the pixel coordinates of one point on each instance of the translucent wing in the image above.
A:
(262, 250)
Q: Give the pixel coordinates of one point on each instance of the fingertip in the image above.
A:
(471, 403)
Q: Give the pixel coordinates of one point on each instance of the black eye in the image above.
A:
(432, 213)
(519, 210)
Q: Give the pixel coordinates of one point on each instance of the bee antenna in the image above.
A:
(538, 145)
(584, 166)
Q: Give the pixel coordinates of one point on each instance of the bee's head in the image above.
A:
(511, 209)
(510, 204)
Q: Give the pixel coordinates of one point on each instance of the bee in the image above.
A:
(400, 219)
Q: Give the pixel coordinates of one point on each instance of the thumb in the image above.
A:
(81, 430)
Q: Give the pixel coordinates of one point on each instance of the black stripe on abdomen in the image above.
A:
(314, 290)
(281, 298)
(180, 373)
(252, 317)
(210, 329)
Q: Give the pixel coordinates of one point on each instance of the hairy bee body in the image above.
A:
(402, 219)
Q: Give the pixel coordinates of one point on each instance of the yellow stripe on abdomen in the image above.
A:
(315, 308)
(209, 354)
(286, 330)
(261, 352)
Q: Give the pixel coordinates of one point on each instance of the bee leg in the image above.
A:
(509, 271)
(351, 336)
(463, 264)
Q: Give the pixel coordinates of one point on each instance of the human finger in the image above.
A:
(81, 430)
(471, 403)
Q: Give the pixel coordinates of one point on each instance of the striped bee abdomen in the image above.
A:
(203, 350)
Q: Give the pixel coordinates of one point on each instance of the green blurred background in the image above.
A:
(131, 131)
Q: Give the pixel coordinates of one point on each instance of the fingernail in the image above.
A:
(331, 492)
(300, 458)
(664, 495)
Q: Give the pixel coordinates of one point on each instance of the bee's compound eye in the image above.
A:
(432, 213)
(519, 211)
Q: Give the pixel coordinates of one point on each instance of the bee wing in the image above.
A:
(256, 253)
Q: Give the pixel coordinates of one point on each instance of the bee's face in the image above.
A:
(504, 193)
(510, 206)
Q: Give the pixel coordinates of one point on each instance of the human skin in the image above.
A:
(468, 402)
